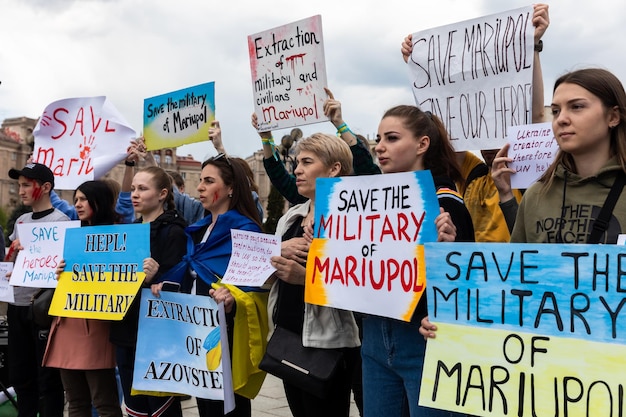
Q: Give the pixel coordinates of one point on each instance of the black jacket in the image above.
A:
(451, 202)
(168, 245)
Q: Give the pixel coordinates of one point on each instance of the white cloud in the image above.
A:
(132, 49)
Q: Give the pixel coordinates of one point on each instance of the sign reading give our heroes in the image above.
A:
(476, 76)
(103, 271)
(367, 253)
(288, 74)
(539, 326)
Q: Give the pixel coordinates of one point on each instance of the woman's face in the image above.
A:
(213, 193)
(581, 121)
(310, 167)
(83, 209)
(144, 194)
(398, 150)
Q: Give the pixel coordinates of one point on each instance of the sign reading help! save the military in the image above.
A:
(103, 271)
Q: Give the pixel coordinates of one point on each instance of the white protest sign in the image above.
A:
(80, 139)
(532, 148)
(6, 290)
(249, 263)
(476, 76)
(289, 74)
(36, 264)
(367, 254)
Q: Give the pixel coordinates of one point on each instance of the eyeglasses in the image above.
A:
(220, 156)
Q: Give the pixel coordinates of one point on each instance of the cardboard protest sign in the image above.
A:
(80, 139)
(289, 74)
(103, 271)
(249, 263)
(179, 117)
(476, 76)
(36, 264)
(532, 148)
(538, 326)
(367, 253)
(193, 359)
(6, 290)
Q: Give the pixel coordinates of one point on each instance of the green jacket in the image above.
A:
(565, 212)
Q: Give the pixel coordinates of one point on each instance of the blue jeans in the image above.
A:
(393, 358)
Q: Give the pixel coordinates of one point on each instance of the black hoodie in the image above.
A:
(168, 245)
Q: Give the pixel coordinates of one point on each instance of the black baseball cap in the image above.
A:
(34, 171)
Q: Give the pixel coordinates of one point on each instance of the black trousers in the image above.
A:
(38, 389)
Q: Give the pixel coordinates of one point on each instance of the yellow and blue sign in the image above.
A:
(367, 254)
(526, 329)
(213, 347)
(179, 117)
(180, 345)
(103, 271)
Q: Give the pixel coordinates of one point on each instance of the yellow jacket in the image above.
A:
(249, 341)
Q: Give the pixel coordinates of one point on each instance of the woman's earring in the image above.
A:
(230, 195)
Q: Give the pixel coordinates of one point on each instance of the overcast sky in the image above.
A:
(128, 50)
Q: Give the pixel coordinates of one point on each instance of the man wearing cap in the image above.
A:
(38, 389)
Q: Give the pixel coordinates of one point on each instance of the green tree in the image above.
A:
(17, 212)
(3, 228)
(3, 218)
(275, 208)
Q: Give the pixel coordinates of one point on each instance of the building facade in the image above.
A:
(16, 145)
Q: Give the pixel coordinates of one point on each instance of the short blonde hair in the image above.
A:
(330, 149)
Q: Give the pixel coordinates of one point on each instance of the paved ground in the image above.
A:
(270, 402)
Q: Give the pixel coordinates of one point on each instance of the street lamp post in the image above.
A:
(286, 143)
(285, 146)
